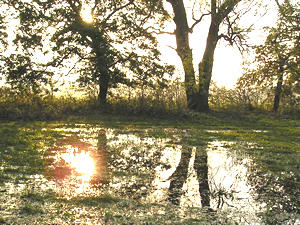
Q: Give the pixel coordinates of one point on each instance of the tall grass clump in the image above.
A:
(144, 100)
(140, 100)
(259, 99)
(238, 99)
(32, 106)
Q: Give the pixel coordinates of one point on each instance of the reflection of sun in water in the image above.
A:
(86, 14)
(81, 162)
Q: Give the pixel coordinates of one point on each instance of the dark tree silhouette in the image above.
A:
(221, 13)
(117, 43)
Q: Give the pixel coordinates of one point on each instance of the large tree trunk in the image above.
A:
(103, 88)
(102, 70)
(205, 68)
(185, 53)
(278, 91)
(100, 48)
(197, 97)
(218, 14)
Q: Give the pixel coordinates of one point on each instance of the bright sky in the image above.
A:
(228, 60)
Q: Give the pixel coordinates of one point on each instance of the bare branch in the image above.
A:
(160, 32)
(198, 21)
(95, 6)
(75, 8)
(171, 47)
(72, 68)
(235, 36)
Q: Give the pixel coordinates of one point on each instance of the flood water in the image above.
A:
(219, 176)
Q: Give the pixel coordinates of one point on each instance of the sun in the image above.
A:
(86, 14)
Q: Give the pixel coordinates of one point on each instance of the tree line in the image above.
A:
(120, 46)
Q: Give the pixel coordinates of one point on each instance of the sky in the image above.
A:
(228, 60)
(227, 63)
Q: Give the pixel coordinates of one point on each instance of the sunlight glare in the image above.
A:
(86, 14)
(82, 162)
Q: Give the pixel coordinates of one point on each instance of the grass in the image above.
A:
(21, 145)
(105, 200)
(2, 220)
(23, 153)
(31, 209)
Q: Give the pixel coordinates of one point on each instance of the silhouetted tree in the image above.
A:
(277, 60)
(116, 46)
(221, 13)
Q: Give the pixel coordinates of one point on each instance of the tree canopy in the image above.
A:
(277, 60)
(115, 45)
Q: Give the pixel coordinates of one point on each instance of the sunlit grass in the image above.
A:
(30, 208)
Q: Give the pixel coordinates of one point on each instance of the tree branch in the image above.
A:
(198, 21)
(235, 36)
(95, 6)
(73, 67)
(122, 60)
(160, 32)
(225, 9)
(116, 10)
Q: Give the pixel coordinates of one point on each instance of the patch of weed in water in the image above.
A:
(131, 174)
(22, 145)
(41, 197)
(2, 220)
(3, 177)
(31, 209)
(96, 201)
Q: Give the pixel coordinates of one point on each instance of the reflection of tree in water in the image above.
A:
(135, 155)
(102, 141)
(201, 168)
(280, 192)
(102, 154)
(180, 175)
(131, 161)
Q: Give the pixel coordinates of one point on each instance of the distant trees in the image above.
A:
(116, 46)
(277, 64)
(221, 13)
